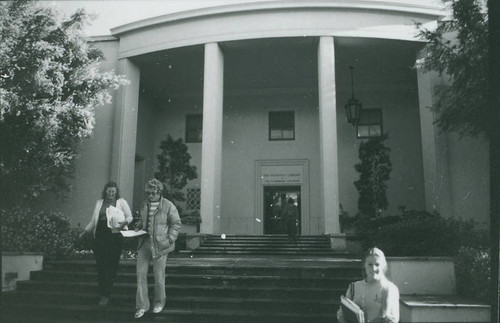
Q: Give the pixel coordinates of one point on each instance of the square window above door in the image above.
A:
(282, 125)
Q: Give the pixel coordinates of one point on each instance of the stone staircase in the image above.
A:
(239, 245)
(201, 287)
(238, 279)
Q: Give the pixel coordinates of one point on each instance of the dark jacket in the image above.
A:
(290, 213)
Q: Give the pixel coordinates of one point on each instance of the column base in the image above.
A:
(338, 242)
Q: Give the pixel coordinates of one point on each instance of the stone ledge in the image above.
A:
(422, 275)
(20, 264)
(440, 301)
(9, 281)
(419, 258)
(21, 253)
(442, 308)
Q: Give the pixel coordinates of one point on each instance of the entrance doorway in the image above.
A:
(275, 198)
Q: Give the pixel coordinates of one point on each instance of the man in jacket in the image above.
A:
(161, 221)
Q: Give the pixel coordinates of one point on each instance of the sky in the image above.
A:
(113, 13)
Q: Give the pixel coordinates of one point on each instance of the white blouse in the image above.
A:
(120, 203)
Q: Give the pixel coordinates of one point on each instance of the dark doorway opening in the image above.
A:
(275, 198)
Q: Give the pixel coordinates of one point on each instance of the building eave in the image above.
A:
(433, 12)
(104, 38)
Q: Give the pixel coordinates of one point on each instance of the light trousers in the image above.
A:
(159, 264)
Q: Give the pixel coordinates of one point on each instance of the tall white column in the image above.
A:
(211, 151)
(436, 178)
(125, 130)
(328, 135)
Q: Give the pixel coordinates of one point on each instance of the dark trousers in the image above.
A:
(291, 226)
(107, 251)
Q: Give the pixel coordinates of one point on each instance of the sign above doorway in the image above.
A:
(281, 174)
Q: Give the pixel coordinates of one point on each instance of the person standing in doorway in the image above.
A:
(291, 216)
(161, 221)
(108, 241)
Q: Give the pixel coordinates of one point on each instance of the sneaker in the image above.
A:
(139, 313)
(157, 309)
(104, 301)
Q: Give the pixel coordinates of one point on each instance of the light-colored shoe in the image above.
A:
(157, 309)
(139, 313)
(104, 301)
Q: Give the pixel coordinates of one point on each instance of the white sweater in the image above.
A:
(377, 300)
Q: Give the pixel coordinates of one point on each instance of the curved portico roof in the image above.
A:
(338, 18)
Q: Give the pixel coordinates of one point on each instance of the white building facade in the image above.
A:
(257, 92)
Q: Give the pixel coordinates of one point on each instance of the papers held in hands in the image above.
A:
(115, 216)
(132, 233)
(352, 312)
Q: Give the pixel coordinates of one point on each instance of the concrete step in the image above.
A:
(257, 251)
(176, 302)
(266, 237)
(199, 289)
(265, 245)
(246, 266)
(81, 313)
(261, 240)
(204, 279)
(269, 244)
(247, 247)
(187, 290)
(442, 308)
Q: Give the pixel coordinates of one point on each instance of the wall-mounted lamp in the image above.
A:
(353, 106)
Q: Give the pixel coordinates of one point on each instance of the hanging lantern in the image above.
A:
(353, 106)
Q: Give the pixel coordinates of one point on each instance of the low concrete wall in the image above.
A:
(422, 275)
(338, 242)
(18, 266)
(194, 240)
(444, 308)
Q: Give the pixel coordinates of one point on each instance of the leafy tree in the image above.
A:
(374, 171)
(466, 49)
(174, 168)
(50, 84)
(458, 48)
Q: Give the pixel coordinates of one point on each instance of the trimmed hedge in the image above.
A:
(420, 233)
(473, 273)
(46, 232)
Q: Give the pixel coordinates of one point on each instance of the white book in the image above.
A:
(352, 312)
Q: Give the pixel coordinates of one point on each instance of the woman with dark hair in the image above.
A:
(107, 241)
(375, 294)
